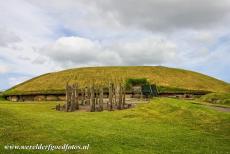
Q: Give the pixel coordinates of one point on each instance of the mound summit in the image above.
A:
(54, 83)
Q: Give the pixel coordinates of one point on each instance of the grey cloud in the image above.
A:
(154, 15)
(7, 37)
(165, 15)
(39, 60)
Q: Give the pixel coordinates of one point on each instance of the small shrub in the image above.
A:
(135, 82)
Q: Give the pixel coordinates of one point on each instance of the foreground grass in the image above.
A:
(162, 126)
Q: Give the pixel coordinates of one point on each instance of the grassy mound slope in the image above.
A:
(217, 98)
(162, 126)
(162, 76)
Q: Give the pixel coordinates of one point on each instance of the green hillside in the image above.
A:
(217, 98)
(161, 76)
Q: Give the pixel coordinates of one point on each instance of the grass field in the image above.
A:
(162, 126)
(174, 79)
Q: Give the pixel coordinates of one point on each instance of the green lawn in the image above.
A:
(162, 126)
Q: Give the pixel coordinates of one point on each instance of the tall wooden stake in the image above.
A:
(92, 99)
(67, 97)
(87, 101)
(76, 90)
(73, 99)
(101, 99)
(123, 97)
(110, 96)
(82, 97)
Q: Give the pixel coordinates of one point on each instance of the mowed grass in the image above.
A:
(162, 126)
(161, 76)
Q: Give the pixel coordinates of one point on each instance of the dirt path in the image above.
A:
(213, 106)
(218, 108)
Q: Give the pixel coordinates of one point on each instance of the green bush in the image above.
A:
(1, 98)
(135, 82)
(226, 101)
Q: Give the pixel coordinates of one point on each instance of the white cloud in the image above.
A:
(78, 51)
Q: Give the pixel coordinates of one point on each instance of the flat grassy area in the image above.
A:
(177, 79)
(162, 126)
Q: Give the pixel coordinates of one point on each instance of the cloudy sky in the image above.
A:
(40, 36)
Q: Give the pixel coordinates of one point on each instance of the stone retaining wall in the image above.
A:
(40, 97)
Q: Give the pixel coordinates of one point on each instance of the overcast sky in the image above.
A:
(40, 36)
